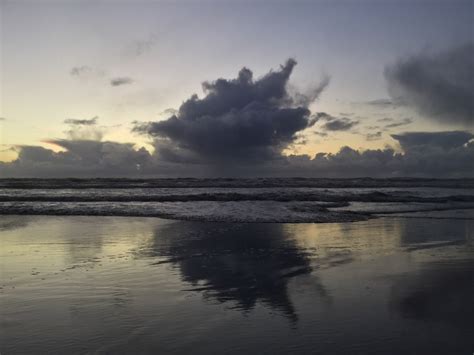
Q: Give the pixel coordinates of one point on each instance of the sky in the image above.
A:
(106, 87)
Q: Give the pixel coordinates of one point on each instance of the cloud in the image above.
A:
(444, 140)
(438, 85)
(87, 73)
(84, 129)
(381, 103)
(404, 122)
(80, 70)
(312, 94)
(3, 119)
(140, 47)
(74, 121)
(374, 136)
(80, 158)
(425, 154)
(334, 123)
(169, 111)
(339, 124)
(121, 81)
(241, 119)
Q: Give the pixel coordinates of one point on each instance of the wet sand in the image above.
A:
(147, 285)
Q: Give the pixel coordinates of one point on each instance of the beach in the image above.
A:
(91, 284)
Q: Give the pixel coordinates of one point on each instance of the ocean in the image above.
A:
(288, 200)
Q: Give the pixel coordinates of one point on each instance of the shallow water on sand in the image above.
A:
(146, 285)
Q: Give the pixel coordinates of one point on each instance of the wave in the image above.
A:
(196, 211)
(231, 183)
(235, 200)
(229, 211)
(279, 196)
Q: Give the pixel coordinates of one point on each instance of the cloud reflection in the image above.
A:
(240, 263)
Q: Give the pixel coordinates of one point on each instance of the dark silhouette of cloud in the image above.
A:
(439, 85)
(425, 154)
(121, 81)
(240, 119)
(80, 158)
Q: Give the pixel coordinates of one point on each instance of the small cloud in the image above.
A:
(77, 122)
(335, 123)
(385, 119)
(374, 136)
(380, 103)
(321, 134)
(83, 129)
(169, 112)
(404, 122)
(140, 47)
(121, 81)
(3, 119)
(80, 70)
(86, 72)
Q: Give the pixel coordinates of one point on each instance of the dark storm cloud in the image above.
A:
(444, 140)
(83, 122)
(121, 81)
(439, 86)
(240, 119)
